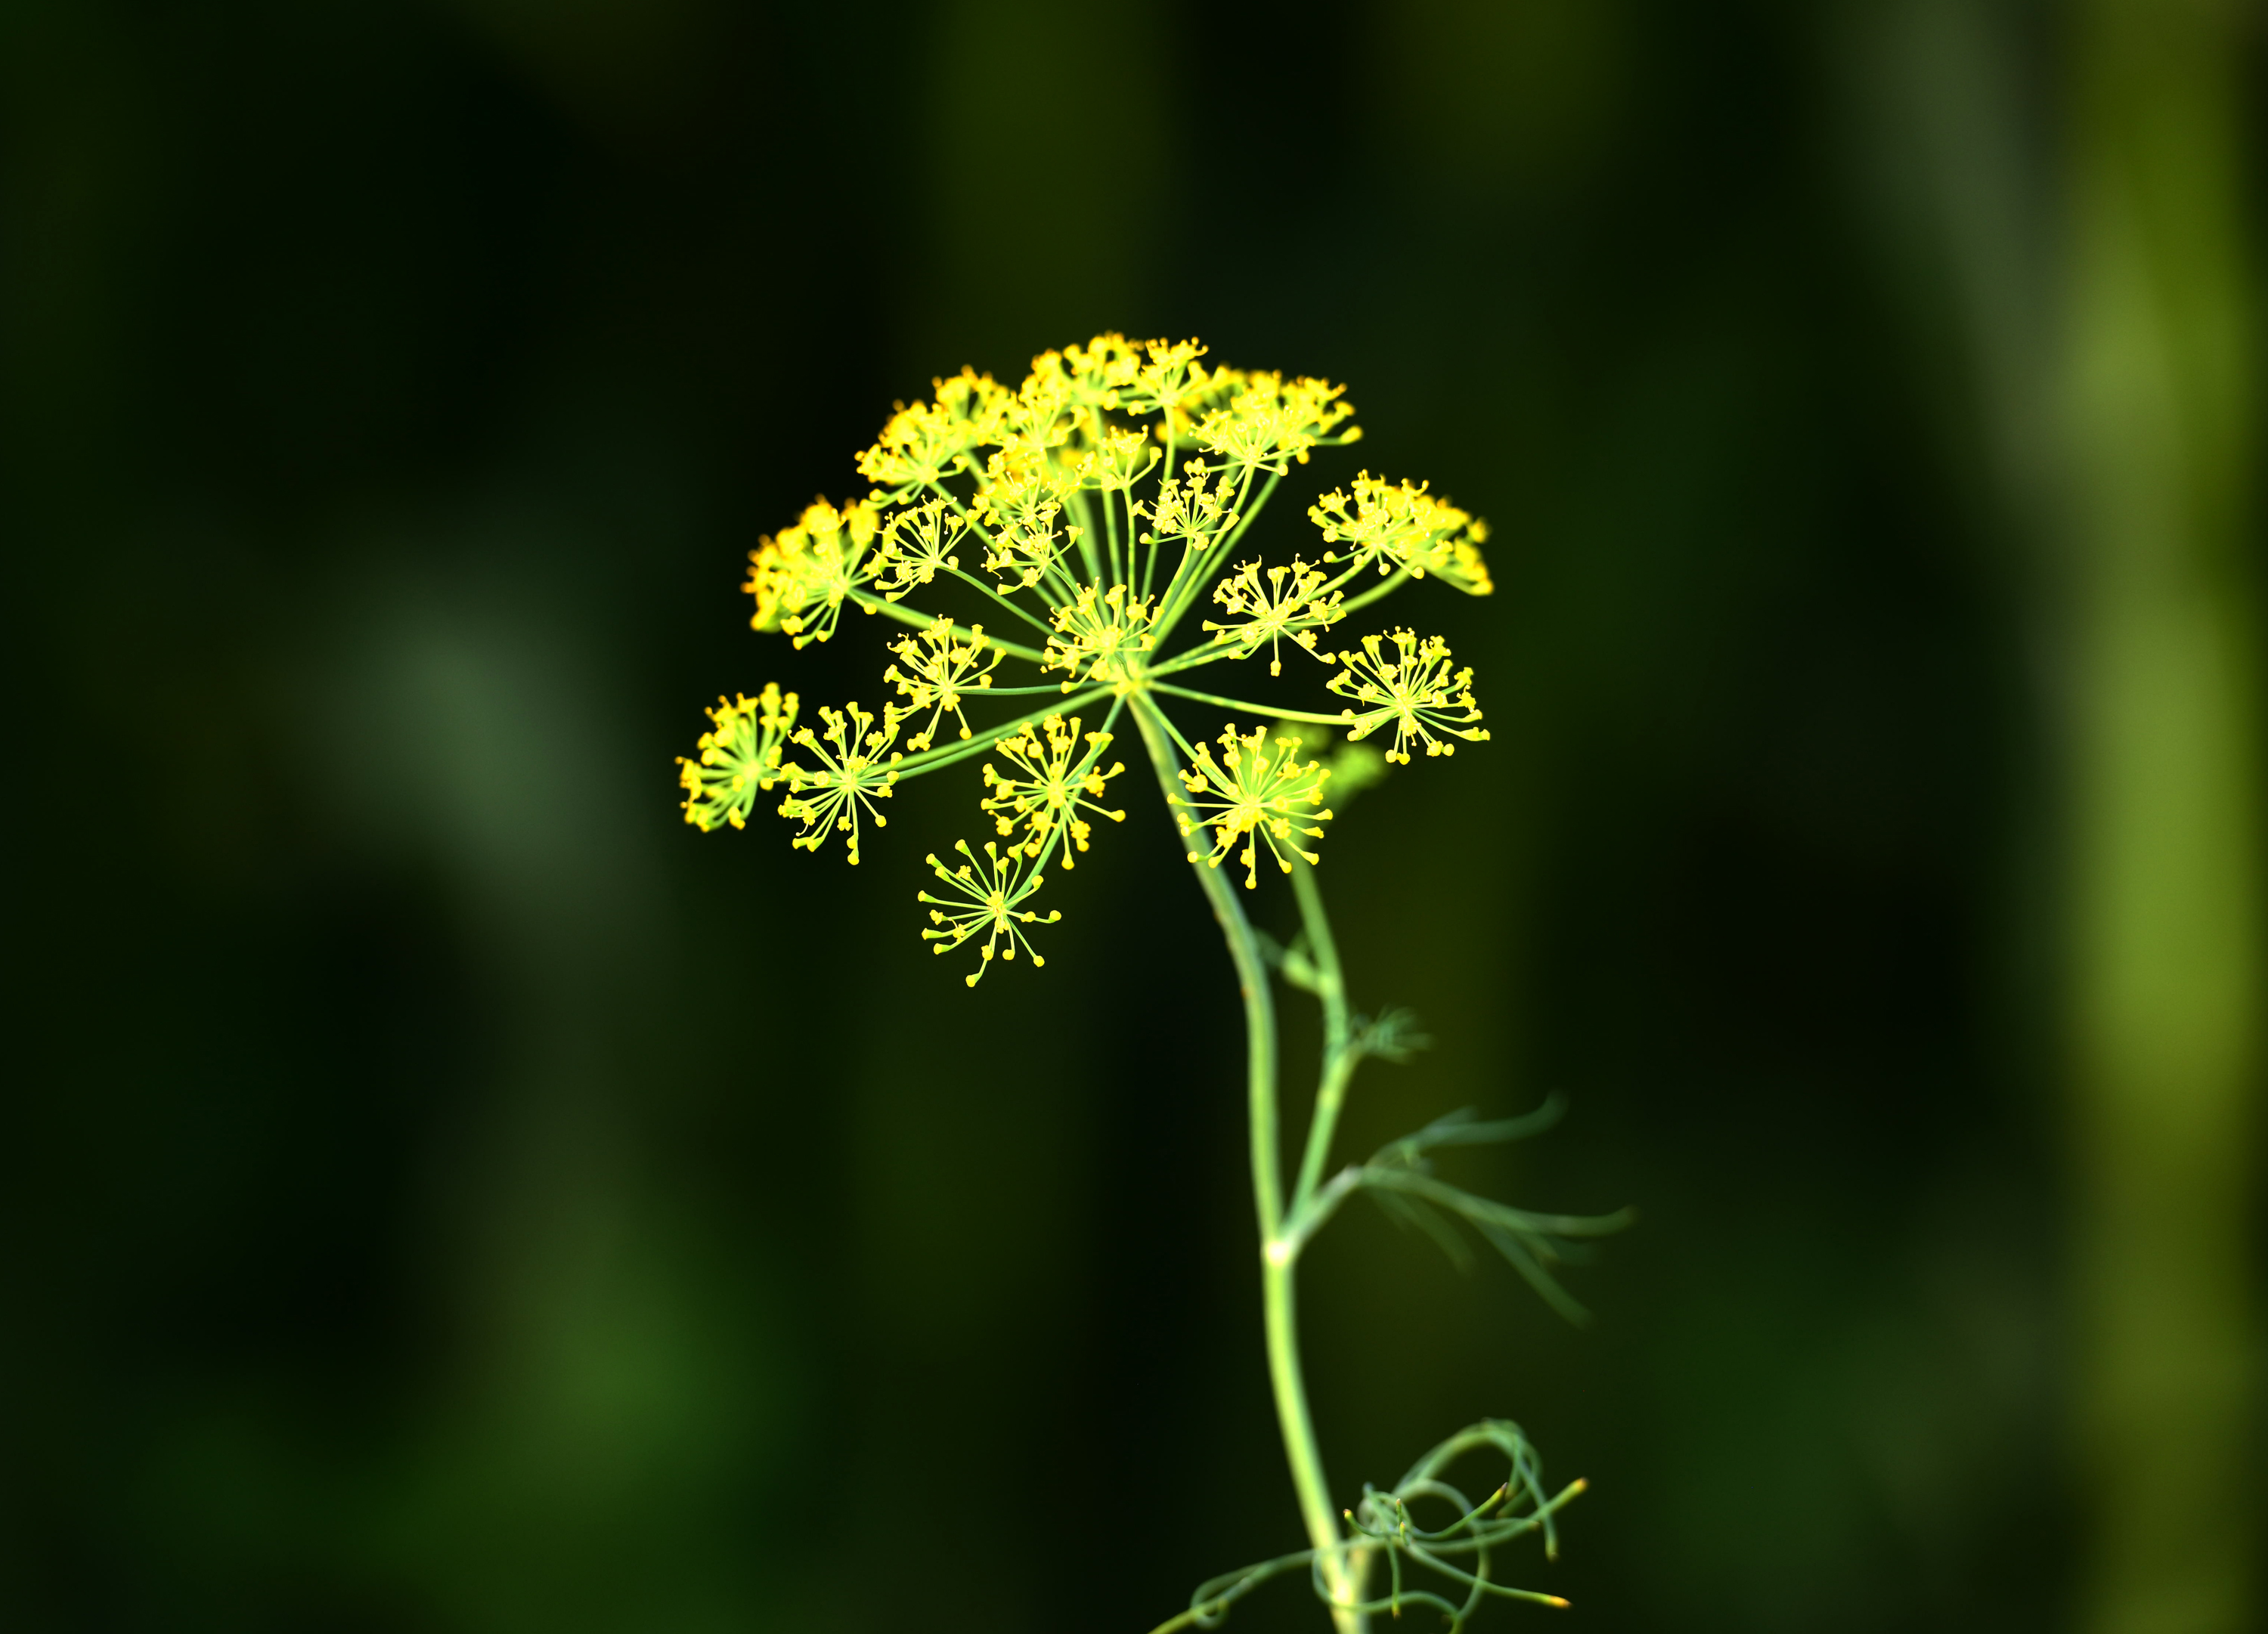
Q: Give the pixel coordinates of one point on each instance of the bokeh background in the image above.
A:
(449, 1192)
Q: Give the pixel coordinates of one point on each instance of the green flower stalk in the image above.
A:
(1091, 511)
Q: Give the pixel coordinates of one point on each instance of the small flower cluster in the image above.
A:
(1085, 512)
(739, 758)
(1255, 791)
(1414, 689)
(1404, 526)
(1048, 786)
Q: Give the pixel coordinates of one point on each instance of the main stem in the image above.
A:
(1278, 1260)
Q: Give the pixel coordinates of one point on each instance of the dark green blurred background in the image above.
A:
(449, 1193)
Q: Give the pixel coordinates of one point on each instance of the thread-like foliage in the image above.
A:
(1456, 1552)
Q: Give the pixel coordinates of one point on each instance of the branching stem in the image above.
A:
(1279, 1294)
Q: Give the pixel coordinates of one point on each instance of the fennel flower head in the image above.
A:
(1091, 522)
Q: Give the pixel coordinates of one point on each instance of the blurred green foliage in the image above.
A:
(450, 1192)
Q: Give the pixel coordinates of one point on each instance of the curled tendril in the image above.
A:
(1390, 1529)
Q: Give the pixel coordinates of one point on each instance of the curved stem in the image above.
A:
(915, 620)
(1133, 534)
(1279, 1301)
(1392, 583)
(1085, 525)
(1120, 573)
(1338, 1058)
(1021, 612)
(1182, 593)
(1191, 657)
(1255, 708)
(1252, 977)
(926, 761)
